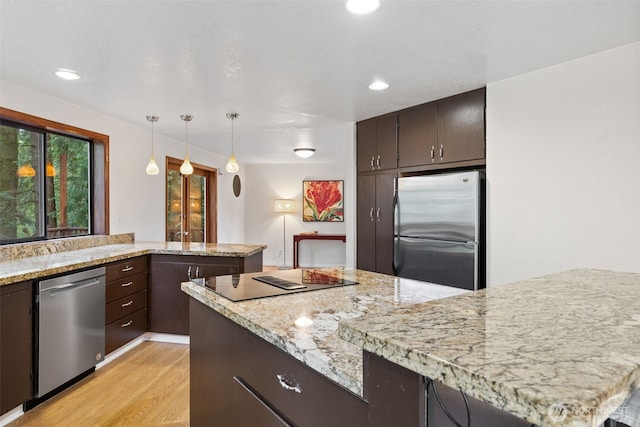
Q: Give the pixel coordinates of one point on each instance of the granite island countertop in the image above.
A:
(32, 261)
(559, 350)
(284, 320)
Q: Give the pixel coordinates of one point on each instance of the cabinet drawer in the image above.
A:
(128, 267)
(125, 306)
(126, 286)
(124, 330)
(297, 392)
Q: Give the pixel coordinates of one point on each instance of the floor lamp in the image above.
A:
(284, 206)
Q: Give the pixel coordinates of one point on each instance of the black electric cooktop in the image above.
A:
(282, 282)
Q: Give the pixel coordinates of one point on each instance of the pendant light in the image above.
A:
(186, 168)
(152, 167)
(232, 166)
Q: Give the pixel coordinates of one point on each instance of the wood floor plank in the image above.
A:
(148, 386)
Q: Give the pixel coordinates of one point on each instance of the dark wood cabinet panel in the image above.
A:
(126, 299)
(125, 329)
(374, 238)
(461, 127)
(255, 411)
(124, 286)
(16, 345)
(387, 142)
(126, 306)
(418, 136)
(377, 145)
(126, 268)
(366, 145)
(223, 353)
(384, 223)
(168, 305)
(365, 223)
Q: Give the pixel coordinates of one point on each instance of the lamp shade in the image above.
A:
(284, 206)
(304, 152)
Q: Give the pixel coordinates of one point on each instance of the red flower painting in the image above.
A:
(323, 201)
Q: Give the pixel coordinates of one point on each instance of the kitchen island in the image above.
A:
(554, 351)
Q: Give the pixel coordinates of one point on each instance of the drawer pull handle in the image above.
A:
(127, 268)
(126, 285)
(286, 384)
(125, 325)
(127, 304)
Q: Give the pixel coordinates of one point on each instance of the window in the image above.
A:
(52, 179)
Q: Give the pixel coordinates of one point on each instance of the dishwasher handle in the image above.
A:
(70, 286)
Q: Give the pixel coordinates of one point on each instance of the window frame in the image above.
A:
(99, 166)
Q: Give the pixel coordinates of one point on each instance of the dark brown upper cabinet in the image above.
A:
(418, 136)
(461, 127)
(450, 130)
(377, 147)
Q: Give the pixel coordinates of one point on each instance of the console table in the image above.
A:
(298, 237)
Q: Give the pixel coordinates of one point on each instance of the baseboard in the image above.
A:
(11, 416)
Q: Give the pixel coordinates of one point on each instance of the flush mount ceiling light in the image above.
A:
(152, 167)
(304, 152)
(67, 74)
(379, 85)
(361, 7)
(186, 168)
(232, 166)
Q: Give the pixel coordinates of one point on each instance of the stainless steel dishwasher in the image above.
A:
(71, 328)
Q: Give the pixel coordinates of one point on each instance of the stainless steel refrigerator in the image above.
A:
(439, 227)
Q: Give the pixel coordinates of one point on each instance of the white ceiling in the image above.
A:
(295, 71)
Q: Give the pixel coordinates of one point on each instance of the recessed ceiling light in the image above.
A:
(67, 74)
(379, 85)
(361, 7)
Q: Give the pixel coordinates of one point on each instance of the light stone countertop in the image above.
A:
(318, 345)
(16, 269)
(559, 350)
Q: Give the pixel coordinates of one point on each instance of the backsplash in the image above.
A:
(24, 250)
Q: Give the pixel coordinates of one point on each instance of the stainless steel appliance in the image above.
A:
(437, 230)
(71, 330)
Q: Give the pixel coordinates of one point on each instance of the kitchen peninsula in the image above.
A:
(141, 282)
(554, 351)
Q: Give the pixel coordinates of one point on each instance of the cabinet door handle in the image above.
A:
(378, 162)
(126, 325)
(127, 304)
(371, 163)
(287, 384)
(127, 268)
(433, 153)
(378, 214)
(126, 285)
(441, 152)
(371, 213)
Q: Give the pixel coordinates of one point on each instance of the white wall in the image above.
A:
(563, 167)
(266, 183)
(136, 199)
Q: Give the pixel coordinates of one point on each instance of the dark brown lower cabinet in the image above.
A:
(16, 345)
(398, 396)
(238, 379)
(168, 305)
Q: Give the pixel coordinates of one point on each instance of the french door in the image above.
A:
(191, 204)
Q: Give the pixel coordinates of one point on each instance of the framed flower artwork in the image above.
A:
(322, 201)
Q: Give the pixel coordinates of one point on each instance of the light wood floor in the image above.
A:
(148, 386)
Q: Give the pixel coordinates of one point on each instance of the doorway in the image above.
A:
(191, 209)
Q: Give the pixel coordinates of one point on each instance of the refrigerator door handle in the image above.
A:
(394, 213)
